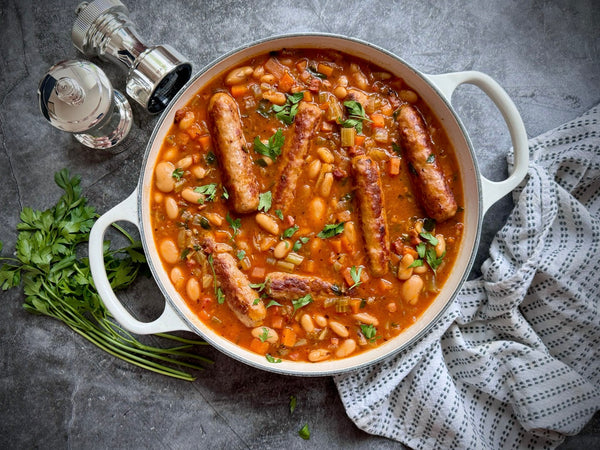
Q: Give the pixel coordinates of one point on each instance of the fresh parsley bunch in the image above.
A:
(57, 282)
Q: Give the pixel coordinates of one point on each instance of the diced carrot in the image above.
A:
(384, 284)
(257, 273)
(359, 139)
(308, 96)
(297, 328)
(193, 131)
(377, 121)
(277, 321)
(347, 276)
(336, 245)
(237, 90)
(355, 305)
(259, 347)
(286, 82)
(205, 142)
(222, 235)
(394, 166)
(288, 337)
(324, 69)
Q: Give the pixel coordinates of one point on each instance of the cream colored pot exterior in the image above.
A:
(479, 192)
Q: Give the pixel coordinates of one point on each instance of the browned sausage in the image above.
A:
(427, 176)
(369, 194)
(240, 297)
(294, 151)
(281, 286)
(230, 145)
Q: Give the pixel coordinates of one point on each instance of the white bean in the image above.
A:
(411, 289)
(282, 249)
(320, 354)
(192, 289)
(163, 176)
(239, 75)
(366, 318)
(265, 334)
(346, 348)
(169, 251)
(339, 329)
(267, 223)
(307, 323)
(171, 208)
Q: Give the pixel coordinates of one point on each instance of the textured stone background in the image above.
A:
(56, 390)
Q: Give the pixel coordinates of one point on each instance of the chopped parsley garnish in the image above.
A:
(355, 274)
(302, 301)
(429, 238)
(427, 253)
(263, 108)
(259, 286)
(184, 253)
(177, 173)
(315, 73)
(208, 190)
(336, 289)
(293, 402)
(225, 194)
(299, 243)
(356, 115)
(241, 255)
(331, 230)
(264, 201)
(429, 224)
(220, 296)
(279, 214)
(273, 303)
(264, 335)
(235, 224)
(397, 149)
(289, 232)
(370, 332)
(287, 112)
(304, 432)
(271, 359)
(272, 148)
(431, 158)
(218, 292)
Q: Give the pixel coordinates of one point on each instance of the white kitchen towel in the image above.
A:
(515, 361)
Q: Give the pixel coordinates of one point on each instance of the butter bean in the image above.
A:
(198, 171)
(440, 248)
(192, 196)
(320, 320)
(185, 162)
(187, 121)
(169, 251)
(317, 208)
(338, 329)
(405, 272)
(282, 249)
(408, 96)
(271, 335)
(325, 155)
(177, 277)
(267, 223)
(320, 354)
(277, 98)
(411, 289)
(314, 168)
(346, 348)
(326, 184)
(171, 208)
(192, 289)
(238, 76)
(307, 323)
(366, 318)
(163, 176)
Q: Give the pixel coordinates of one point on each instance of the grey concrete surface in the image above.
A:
(58, 391)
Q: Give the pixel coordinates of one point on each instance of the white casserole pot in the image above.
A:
(479, 194)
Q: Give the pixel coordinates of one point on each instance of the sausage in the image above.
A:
(369, 194)
(294, 151)
(230, 145)
(426, 175)
(281, 286)
(244, 301)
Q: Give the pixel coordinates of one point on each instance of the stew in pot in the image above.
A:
(307, 205)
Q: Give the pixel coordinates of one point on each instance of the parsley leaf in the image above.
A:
(304, 432)
(259, 286)
(293, 402)
(264, 335)
(220, 296)
(298, 244)
(370, 332)
(302, 301)
(208, 190)
(273, 303)
(235, 224)
(355, 274)
(225, 194)
(177, 173)
(289, 232)
(271, 359)
(287, 112)
(356, 115)
(331, 230)
(264, 201)
(315, 73)
(273, 147)
(429, 238)
(241, 255)
(279, 214)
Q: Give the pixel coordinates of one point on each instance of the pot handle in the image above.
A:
(169, 320)
(492, 191)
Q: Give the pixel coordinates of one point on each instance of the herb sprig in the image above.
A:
(356, 115)
(57, 282)
(287, 112)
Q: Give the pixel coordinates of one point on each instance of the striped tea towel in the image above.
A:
(515, 362)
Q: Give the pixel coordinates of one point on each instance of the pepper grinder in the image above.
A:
(77, 97)
(155, 74)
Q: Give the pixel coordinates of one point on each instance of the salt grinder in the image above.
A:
(155, 74)
(77, 97)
